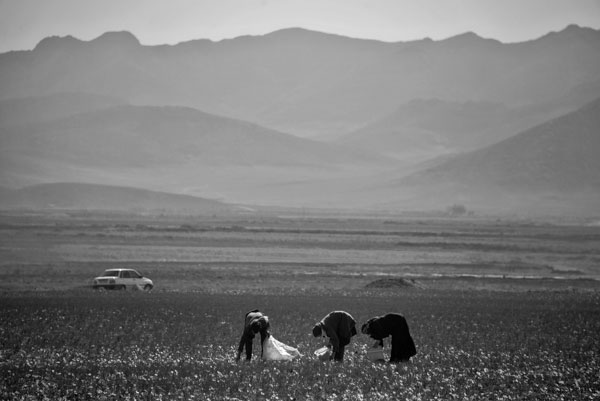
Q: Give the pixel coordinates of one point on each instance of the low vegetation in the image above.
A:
(133, 345)
(503, 310)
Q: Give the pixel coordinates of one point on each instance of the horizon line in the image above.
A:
(300, 28)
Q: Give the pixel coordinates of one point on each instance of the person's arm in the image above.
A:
(333, 338)
(244, 341)
(249, 347)
(263, 335)
(241, 347)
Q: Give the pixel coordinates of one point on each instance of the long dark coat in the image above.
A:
(395, 325)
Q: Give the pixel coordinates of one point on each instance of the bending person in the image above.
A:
(339, 326)
(394, 324)
(255, 322)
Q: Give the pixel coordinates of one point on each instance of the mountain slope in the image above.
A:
(305, 82)
(104, 197)
(149, 136)
(52, 107)
(423, 129)
(556, 159)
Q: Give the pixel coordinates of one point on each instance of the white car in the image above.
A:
(121, 279)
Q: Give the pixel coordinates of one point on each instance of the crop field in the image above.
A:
(119, 345)
(503, 310)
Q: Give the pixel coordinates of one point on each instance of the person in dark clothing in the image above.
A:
(394, 324)
(339, 326)
(255, 322)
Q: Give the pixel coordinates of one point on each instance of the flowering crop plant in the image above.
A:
(78, 345)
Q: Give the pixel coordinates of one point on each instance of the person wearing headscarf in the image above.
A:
(395, 325)
(254, 322)
(339, 326)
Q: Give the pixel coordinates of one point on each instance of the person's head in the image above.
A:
(366, 328)
(317, 331)
(261, 324)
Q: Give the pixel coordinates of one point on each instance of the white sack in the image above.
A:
(323, 353)
(275, 350)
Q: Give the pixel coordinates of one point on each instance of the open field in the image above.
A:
(132, 345)
(66, 251)
(505, 310)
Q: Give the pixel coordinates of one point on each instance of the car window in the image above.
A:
(111, 273)
(135, 274)
(125, 274)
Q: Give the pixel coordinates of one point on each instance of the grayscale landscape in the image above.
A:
(297, 118)
(438, 160)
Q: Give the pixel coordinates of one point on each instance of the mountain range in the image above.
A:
(94, 197)
(303, 82)
(303, 118)
(145, 136)
(552, 166)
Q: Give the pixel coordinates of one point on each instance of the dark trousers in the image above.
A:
(248, 346)
(339, 355)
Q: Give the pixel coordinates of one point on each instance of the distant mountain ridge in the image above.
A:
(428, 128)
(108, 198)
(424, 128)
(305, 82)
(418, 124)
(83, 138)
(52, 107)
(560, 154)
(123, 39)
(126, 135)
(555, 160)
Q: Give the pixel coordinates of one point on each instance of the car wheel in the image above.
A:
(100, 288)
(147, 287)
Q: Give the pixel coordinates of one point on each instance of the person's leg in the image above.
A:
(339, 356)
(248, 349)
(396, 352)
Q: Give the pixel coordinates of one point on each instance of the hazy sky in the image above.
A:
(23, 23)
